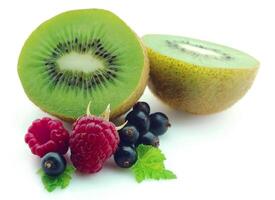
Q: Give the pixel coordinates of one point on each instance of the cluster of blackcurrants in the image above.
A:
(142, 128)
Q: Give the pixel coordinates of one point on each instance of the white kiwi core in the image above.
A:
(201, 51)
(74, 61)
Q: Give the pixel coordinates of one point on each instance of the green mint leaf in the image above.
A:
(40, 172)
(50, 183)
(62, 181)
(169, 174)
(70, 169)
(65, 180)
(150, 164)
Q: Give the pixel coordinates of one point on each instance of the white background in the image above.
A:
(229, 155)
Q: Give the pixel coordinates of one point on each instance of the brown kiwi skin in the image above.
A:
(175, 87)
(130, 101)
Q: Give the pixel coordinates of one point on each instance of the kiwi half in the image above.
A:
(197, 76)
(81, 56)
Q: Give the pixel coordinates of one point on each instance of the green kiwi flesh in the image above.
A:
(81, 56)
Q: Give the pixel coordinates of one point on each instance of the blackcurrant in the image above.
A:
(121, 144)
(142, 106)
(140, 120)
(149, 139)
(159, 123)
(125, 156)
(129, 135)
(53, 164)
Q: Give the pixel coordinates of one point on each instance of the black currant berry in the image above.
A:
(149, 139)
(122, 144)
(125, 156)
(140, 120)
(142, 106)
(159, 123)
(53, 164)
(128, 135)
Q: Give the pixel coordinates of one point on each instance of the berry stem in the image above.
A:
(88, 109)
(106, 114)
(121, 126)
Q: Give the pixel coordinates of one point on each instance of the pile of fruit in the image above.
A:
(91, 55)
(93, 140)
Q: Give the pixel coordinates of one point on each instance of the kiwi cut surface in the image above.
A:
(81, 56)
(197, 76)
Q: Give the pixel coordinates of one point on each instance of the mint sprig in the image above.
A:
(150, 164)
(62, 181)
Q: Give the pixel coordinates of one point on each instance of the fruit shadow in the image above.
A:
(102, 178)
(181, 121)
(190, 120)
(109, 166)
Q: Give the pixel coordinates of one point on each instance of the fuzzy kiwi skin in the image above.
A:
(197, 89)
(129, 102)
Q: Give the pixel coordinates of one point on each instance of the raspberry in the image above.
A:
(47, 135)
(92, 142)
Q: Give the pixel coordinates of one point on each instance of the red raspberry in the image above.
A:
(47, 135)
(92, 142)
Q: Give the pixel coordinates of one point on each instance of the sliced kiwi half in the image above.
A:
(81, 56)
(197, 76)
